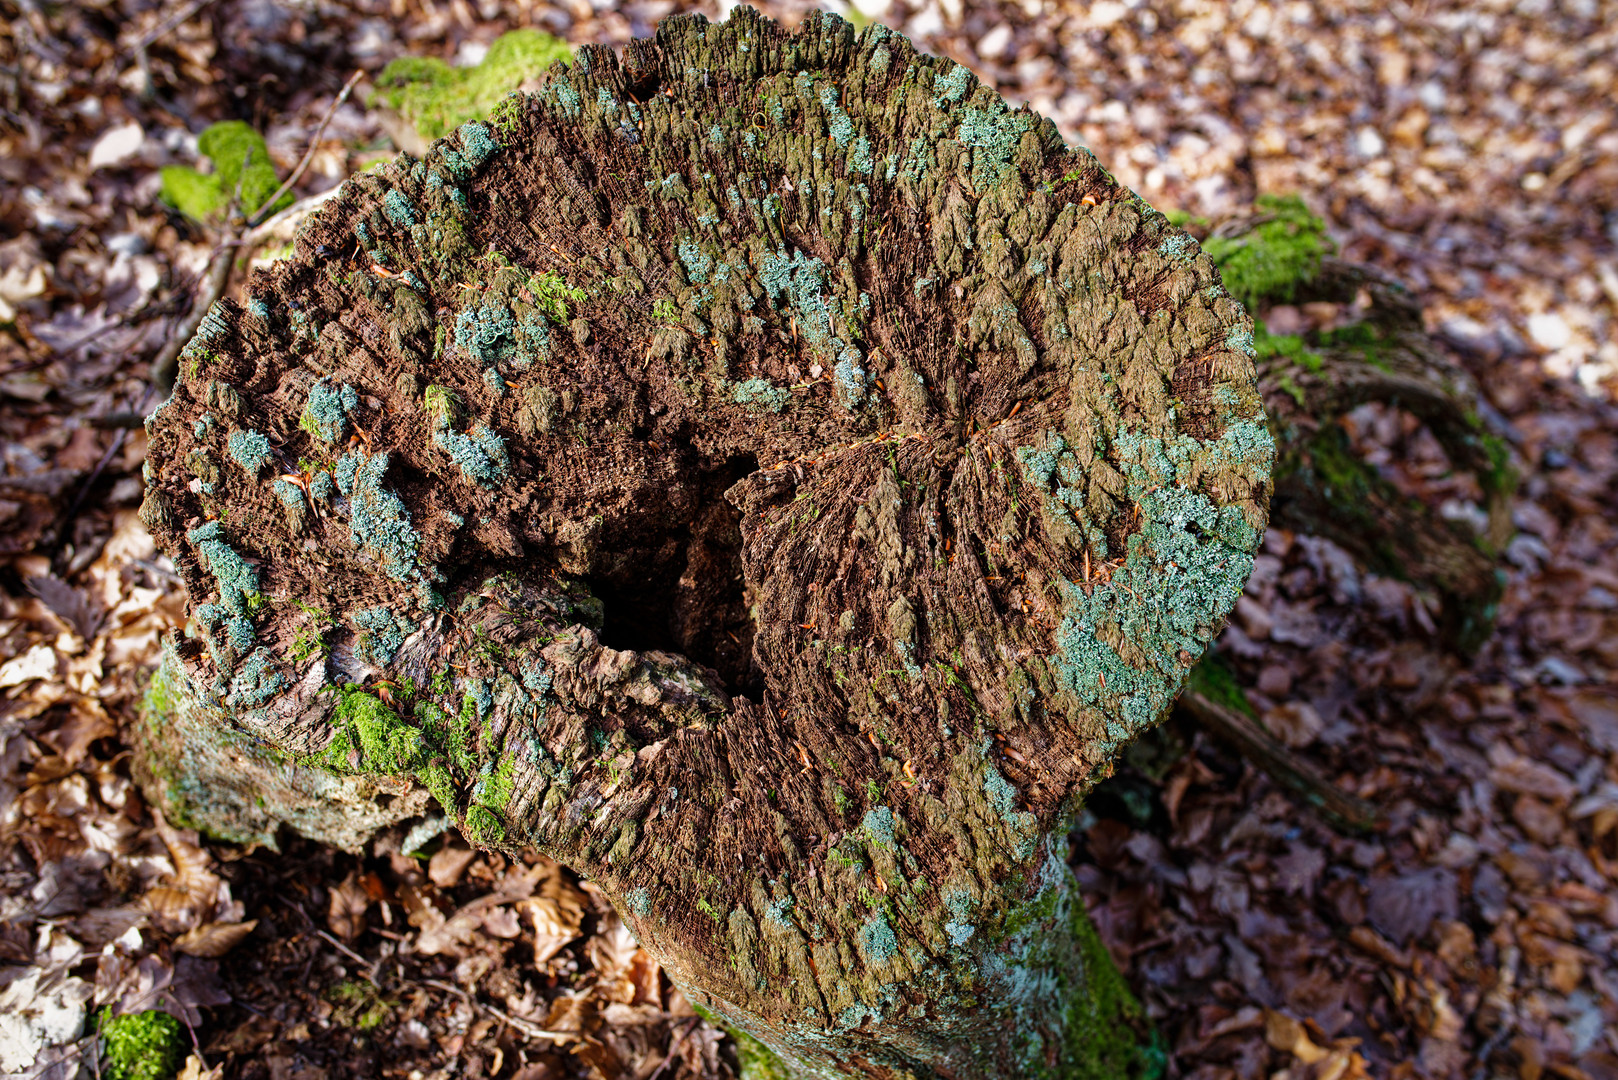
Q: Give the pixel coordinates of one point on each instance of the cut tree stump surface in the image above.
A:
(766, 472)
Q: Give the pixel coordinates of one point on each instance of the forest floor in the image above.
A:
(1469, 147)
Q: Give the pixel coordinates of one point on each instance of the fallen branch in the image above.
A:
(167, 363)
(1280, 763)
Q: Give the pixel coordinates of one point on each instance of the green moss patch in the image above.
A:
(1266, 264)
(1214, 680)
(1108, 1035)
(239, 155)
(436, 98)
(141, 1046)
(1291, 346)
(359, 1005)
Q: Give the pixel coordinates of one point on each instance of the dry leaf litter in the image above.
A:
(1469, 148)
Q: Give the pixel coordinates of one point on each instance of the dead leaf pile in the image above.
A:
(1471, 149)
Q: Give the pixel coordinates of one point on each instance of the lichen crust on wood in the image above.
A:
(788, 474)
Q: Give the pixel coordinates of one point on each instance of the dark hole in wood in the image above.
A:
(687, 595)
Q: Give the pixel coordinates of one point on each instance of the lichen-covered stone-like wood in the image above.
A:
(764, 471)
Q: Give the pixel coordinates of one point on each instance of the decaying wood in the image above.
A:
(1247, 736)
(1382, 353)
(766, 473)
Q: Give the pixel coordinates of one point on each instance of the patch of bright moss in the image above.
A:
(1266, 264)
(482, 827)
(309, 643)
(1500, 476)
(436, 98)
(1181, 218)
(1361, 337)
(359, 1005)
(1291, 346)
(1214, 680)
(238, 153)
(141, 1046)
(552, 294)
(386, 743)
(1105, 1023)
(755, 1059)
(443, 405)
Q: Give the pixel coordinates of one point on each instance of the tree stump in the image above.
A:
(766, 473)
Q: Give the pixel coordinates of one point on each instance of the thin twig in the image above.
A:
(530, 1030)
(183, 15)
(118, 421)
(676, 1040)
(147, 90)
(1281, 764)
(300, 209)
(308, 155)
(166, 365)
(350, 953)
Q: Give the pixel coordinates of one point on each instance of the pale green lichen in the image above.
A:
(480, 454)
(761, 395)
(380, 637)
(1022, 826)
(256, 680)
(952, 85)
(321, 488)
(235, 576)
(698, 263)
(378, 521)
(877, 941)
(325, 415)
(398, 209)
(250, 450)
(1184, 569)
(291, 495)
(878, 825)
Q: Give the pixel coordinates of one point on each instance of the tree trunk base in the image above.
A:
(1041, 994)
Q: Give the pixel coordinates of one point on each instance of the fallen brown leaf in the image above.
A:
(214, 940)
(345, 909)
(194, 1070)
(447, 865)
(1284, 1033)
(190, 895)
